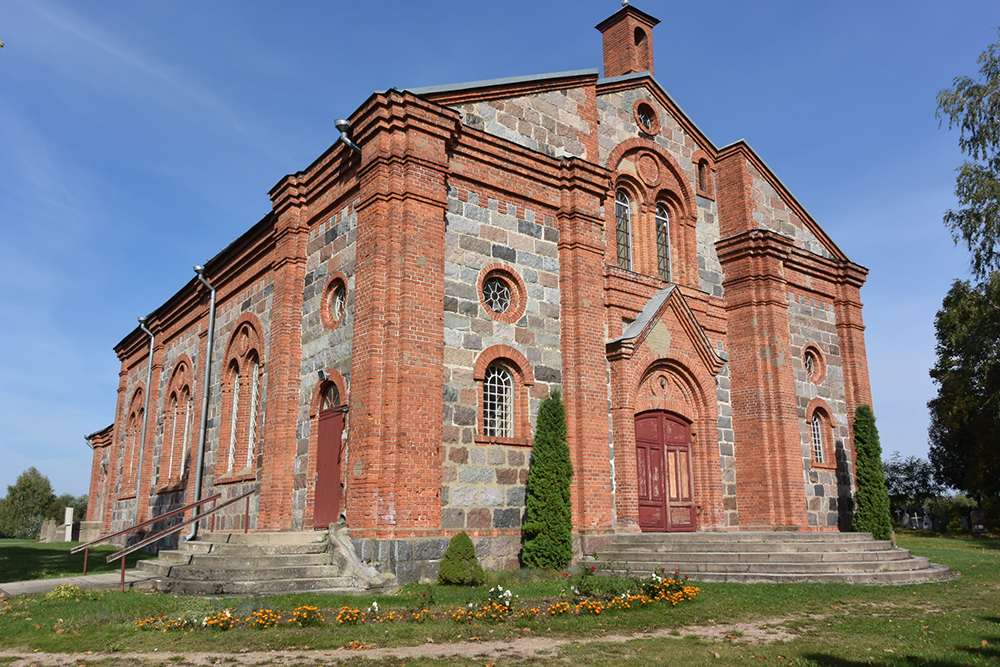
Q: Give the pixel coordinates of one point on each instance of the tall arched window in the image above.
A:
(254, 409)
(663, 243)
(240, 439)
(498, 403)
(623, 228)
(234, 413)
(176, 428)
(816, 428)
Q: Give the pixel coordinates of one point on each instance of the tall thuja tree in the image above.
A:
(548, 531)
(872, 512)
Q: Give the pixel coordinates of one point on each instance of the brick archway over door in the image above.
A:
(664, 471)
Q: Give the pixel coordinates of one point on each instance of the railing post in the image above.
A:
(123, 574)
(246, 517)
(86, 553)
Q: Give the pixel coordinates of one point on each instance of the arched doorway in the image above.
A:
(328, 454)
(663, 466)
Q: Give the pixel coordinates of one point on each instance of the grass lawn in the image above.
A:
(23, 560)
(952, 623)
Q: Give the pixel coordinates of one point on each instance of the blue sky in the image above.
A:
(139, 138)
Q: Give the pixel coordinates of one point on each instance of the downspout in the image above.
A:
(345, 127)
(145, 418)
(200, 271)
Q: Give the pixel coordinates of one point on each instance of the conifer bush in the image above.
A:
(459, 566)
(548, 531)
(871, 497)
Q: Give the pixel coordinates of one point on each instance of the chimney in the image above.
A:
(628, 41)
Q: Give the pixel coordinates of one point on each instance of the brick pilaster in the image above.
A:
(291, 234)
(584, 380)
(394, 483)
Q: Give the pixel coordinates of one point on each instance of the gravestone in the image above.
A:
(978, 518)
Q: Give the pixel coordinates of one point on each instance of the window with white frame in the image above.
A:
(662, 242)
(623, 227)
(817, 438)
(498, 402)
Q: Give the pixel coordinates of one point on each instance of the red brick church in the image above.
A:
(374, 350)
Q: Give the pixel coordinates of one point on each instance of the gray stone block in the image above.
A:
(464, 495)
(402, 550)
(478, 455)
(515, 496)
(407, 573)
(381, 551)
(363, 549)
(475, 474)
(429, 549)
(495, 456)
(492, 497)
(507, 518)
(452, 518)
(503, 252)
(484, 547)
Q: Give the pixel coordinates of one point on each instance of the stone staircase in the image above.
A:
(772, 557)
(251, 564)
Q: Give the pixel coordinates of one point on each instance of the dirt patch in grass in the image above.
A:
(525, 646)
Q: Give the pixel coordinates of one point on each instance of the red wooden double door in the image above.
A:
(663, 465)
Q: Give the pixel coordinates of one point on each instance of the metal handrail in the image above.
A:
(137, 526)
(174, 529)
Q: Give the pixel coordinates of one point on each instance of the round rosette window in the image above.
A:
(334, 303)
(814, 364)
(646, 117)
(501, 293)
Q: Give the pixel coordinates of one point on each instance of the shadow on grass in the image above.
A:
(989, 652)
(24, 561)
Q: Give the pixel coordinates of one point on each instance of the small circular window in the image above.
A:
(502, 293)
(814, 364)
(334, 302)
(646, 118)
(338, 302)
(496, 294)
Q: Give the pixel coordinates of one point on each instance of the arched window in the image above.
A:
(663, 243)
(504, 379)
(242, 404)
(177, 416)
(704, 176)
(254, 409)
(234, 413)
(331, 397)
(623, 227)
(498, 403)
(816, 428)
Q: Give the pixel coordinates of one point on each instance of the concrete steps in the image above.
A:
(771, 557)
(249, 564)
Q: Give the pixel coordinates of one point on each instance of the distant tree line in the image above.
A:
(30, 500)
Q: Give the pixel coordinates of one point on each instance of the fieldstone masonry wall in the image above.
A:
(772, 214)
(812, 321)
(727, 448)
(331, 250)
(617, 125)
(552, 123)
(707, 233)
(483, 486)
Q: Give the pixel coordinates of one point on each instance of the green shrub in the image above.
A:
(548, 531)
(871, 496)
(459, 564)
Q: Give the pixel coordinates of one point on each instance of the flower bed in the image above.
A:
(499, 607)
